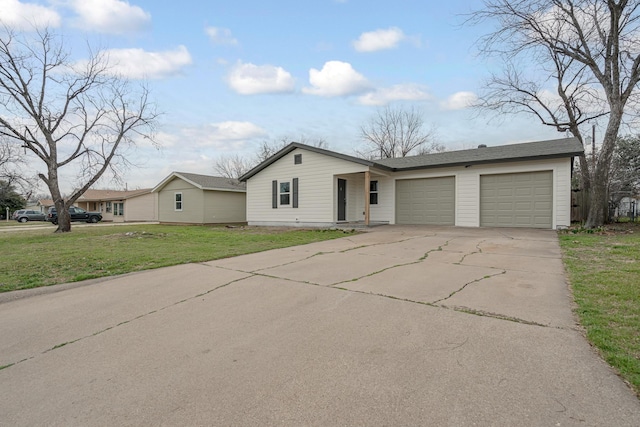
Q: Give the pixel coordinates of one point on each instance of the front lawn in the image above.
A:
(604, 271)
(39, 257)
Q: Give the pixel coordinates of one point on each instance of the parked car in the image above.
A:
(24, 215)
(77, 214)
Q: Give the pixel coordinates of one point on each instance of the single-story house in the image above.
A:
(43, 205)
(519, 185)
(200, 199)
(121, 205)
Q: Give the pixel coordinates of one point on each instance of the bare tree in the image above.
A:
(568, 63)
(232, 166)
(70, 115)
(395, 132)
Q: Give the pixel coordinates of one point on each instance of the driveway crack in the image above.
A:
(467, 284)
(124, 322)
(418, 261)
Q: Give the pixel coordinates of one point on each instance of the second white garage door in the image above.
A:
(426, 201)
(517, 200)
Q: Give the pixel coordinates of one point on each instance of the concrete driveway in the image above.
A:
(397, 326)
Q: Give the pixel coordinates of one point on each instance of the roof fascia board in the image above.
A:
(224, 189)
(484, 162)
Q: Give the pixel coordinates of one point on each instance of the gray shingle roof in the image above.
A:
(208, 182)
(204, 182)
(555, 148)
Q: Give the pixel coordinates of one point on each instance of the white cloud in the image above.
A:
(109, 16)
(459, 101)
(140, 64)
(27, 16)
(229, 135)
(250, 79)
(401, 92)
(379, 40)
(221, 36)
(336, 78)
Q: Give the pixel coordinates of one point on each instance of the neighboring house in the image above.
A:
(191, 198)
(44, 205)
(121, 206)
(520, 185)
(628, 207)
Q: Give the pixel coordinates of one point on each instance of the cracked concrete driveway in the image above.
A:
(397, 326)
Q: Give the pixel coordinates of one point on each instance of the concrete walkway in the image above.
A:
(397, 326)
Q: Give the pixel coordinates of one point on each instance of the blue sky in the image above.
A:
(228, 75)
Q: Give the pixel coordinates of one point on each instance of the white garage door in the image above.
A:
(426, 201)
(517, 200)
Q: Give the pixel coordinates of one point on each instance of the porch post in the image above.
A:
(367, 189)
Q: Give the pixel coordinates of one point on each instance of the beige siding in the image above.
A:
(192, 203)
(317, 177)
(384, 210)
(224, 207)
(141, 208)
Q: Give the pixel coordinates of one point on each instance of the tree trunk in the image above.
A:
(598, 203)
(64, 220)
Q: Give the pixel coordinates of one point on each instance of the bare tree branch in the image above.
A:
(66, 114)
(395, 132)
(589, 48)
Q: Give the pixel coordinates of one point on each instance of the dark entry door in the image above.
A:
(342, 199)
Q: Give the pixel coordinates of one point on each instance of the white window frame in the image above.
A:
(116, 211)
(287, 193)
(376, 192)
(176, 201)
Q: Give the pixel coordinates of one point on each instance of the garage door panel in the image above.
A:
(517, 200)
(426, 201)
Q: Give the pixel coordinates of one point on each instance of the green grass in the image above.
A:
(39, 257)
(604, 270)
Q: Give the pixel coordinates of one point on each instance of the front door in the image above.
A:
(342, 199)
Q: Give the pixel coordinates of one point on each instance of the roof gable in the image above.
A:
(204, 182)
(289, 148)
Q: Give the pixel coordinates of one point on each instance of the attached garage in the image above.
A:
(426, 201)
(517, 200)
